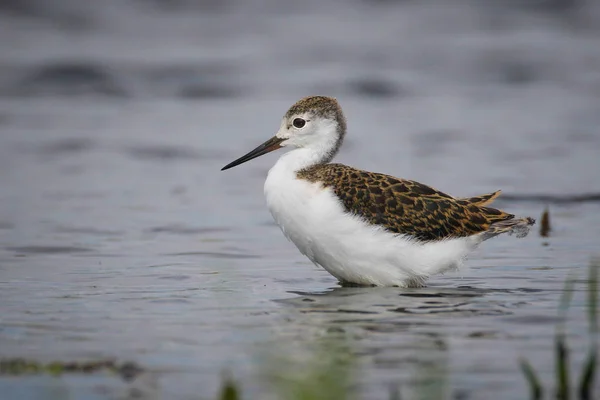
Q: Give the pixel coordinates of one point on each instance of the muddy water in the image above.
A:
(120, 238)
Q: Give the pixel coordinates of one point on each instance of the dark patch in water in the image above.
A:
(209, 91)
(385, 2)
(472, 312)
(461, 394)
(518, 73)
(68, 79)
(558, 6)
(374, 88)
(508, 68)
(549, 198)
(66, 146)
(402, 310)
(355, 312)
(441, 306)
(86, 231)
(193, 6)
(165, 265)
(170, 301)
(483, 334)
(359, 321)
(337, 311)
(60, 15)
(581, 137)
(393, 326)
(185, 230)
(301, 293)
(175, 277)
(427, 295)
(214, 254)
(128, 371)
(209, 81)
(17, 6)
(6, 225)
(167, 153)
(533, 319)
(48, 249)
(178, 190)
(530, 290)
(450, 308)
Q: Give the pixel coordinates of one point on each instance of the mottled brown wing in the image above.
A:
(403, 206)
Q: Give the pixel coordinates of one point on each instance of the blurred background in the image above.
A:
(120, 237)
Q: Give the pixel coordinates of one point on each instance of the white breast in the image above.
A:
(350, 249)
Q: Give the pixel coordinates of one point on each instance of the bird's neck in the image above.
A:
(306, 157)
(299, 159)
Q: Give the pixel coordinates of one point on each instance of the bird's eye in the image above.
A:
(299, 122)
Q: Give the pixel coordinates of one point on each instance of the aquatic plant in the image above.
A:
(565, 388)
(19, 366)
(545, 227)
(229, 390)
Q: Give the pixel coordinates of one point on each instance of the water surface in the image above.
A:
(120, 238)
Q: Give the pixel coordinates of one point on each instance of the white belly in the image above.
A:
(349, 248)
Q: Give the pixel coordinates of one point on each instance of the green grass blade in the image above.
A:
(229, 390)
(534, 382)
(588, 376)
(562, 368)
(561, 350)
(587, 379)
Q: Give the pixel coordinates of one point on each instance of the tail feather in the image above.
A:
(483, 200)
(518, 226)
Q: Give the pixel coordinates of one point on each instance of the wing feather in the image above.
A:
(406, 207)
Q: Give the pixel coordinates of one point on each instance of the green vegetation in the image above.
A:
(18, 366)
(565, 388)
(229, 390)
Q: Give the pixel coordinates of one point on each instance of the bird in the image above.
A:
(367, 228)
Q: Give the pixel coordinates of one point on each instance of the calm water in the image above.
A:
(120, 238)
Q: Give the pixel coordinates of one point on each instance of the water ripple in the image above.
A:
(48, 249)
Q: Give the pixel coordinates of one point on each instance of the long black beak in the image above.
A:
(266, 147)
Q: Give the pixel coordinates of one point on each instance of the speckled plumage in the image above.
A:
(319, 106)
(406, 207)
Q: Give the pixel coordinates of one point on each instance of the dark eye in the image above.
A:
(299, 122)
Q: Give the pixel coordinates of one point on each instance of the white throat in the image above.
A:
(318, 147)
(301, 158)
